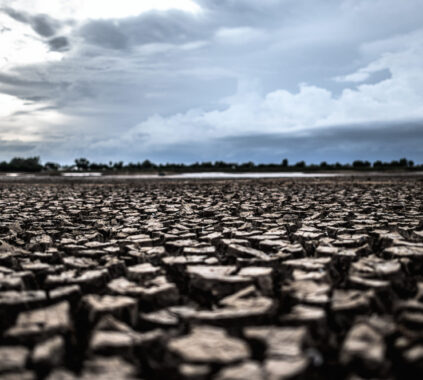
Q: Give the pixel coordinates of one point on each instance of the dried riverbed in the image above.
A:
(234, 279)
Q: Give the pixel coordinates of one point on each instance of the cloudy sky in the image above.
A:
(233, 80)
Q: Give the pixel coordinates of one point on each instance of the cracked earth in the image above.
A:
(226, 280)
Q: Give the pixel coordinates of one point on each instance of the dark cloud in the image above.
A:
(375, 141)
(13, 84)
(18, 16)
(167, 27)
(15, 147)
(32, 86)
(16, 80)
(43, 25)
(378, 76)
(105, 34)
(171, 27)
(289, 38)
(59, 44)
(346, 142)
(175, 26)
(36, 98)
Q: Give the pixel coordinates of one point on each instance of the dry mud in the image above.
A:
(227, 280)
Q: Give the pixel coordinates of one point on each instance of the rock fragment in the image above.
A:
(218, 280)
(39, 324)
(13, 358)
(121, 307)
(209, 345)
(49, 354)
(248, 370)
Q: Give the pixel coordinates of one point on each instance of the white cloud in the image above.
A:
(248, 112)
(357, 77)
(9, 105)
(27, 121)
(238, 36)
(20, 45)
(98, 9)
(127, 8)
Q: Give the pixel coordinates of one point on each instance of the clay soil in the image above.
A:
(234, 279)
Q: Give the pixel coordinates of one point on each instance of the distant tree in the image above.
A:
(247, 165)
(222, 165)
(52, 166)
(118, 165)
(97, 166)
(82, 163)
(403, 162)
(361, 164)
(130, 165)
(206, 165)
(4, 166)
(30, 164)
(147, 164)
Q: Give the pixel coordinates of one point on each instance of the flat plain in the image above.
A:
(225, 279)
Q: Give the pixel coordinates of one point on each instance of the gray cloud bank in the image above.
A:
(335, 143)
(241, 80)
(346, 143)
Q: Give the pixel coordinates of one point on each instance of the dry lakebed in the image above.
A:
(294, 278)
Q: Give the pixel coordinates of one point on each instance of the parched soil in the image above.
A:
(227, 280)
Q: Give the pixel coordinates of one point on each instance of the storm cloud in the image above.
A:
(59, 44)
(42, 24)
(235, 80)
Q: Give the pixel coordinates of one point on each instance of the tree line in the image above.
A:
(33, 164)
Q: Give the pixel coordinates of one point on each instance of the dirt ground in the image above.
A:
(199, 279)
